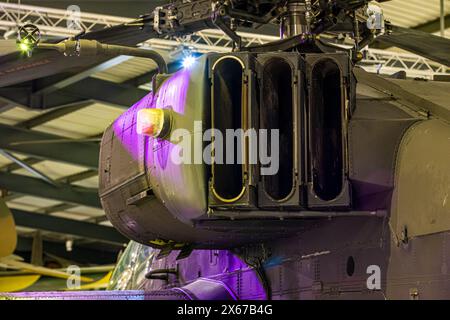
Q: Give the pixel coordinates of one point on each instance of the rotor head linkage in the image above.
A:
(297, 19)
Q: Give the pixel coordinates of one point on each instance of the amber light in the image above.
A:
(152, 122)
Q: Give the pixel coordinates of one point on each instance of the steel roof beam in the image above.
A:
(65, 206)
(67, 226)
(67, 180)
(5, 106)
(90, 89)
(78, 176)
(37, 121)
(14, 166)
(39, 188)
(58, 82)
(52, 115)
(70, 151)
(56, 208)
(27, 167)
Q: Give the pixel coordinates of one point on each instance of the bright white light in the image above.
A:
(188, 62)
(69, 245)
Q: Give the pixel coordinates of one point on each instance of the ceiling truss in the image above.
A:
(53, 22)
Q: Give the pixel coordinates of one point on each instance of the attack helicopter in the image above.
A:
(358, 207)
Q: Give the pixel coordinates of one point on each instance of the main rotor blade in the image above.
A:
(42, 270)
(421, 43)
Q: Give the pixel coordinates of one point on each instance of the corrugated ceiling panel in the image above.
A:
(24, 230)
(53, 169)
(106, 223)
(74, 216)
(410, 13)
(85, 122)
(131, 68)
(20, 206)
(4, 161)
(88, 183)
(127, 70)
(86, 211)
(32, 203)
(16, 115)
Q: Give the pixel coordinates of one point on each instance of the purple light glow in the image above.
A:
(222, 265)
(125, 128)
(171, 95)
(79, 295)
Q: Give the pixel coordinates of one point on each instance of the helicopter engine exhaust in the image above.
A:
(154, 198)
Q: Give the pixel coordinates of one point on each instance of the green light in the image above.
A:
(24, 47)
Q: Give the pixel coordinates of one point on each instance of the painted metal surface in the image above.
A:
(139, 175)
(8, 236)
(398, 164)
(221, 273)
(82, 295)
(421, 200)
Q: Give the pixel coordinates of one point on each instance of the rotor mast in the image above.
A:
(297, 19)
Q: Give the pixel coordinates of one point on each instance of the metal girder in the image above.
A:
(5, 105)
(39, 188)
(67, 180)
(54, 21)
(27, 167)
(14, 166)
(203, 41)
(67, 226)
(58, 82)
(78, 176)
(70, 179)
(98, 219)
(51, 115)
(56, 208)
(74, 152)
(386, 62)
(107, 92)
(90, 89)
(442, 23)
(34, 122)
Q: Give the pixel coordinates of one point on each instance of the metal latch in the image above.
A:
(141, 196)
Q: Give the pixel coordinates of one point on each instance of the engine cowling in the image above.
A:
(336, 151)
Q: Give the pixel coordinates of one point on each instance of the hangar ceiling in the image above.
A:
(53, 186)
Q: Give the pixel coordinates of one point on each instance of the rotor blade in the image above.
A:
(421, 43)
(8, 235)
(16, 67)
(101, 284)
(42, 270)
(16, 283)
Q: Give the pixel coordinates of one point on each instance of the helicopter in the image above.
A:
(357, 206)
